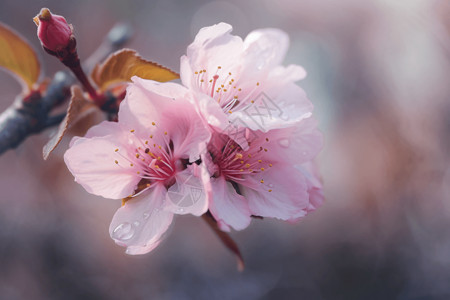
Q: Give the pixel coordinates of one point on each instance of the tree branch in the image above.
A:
(31, 115)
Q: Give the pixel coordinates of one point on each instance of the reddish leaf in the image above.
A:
(18, 57)
(126, 63)
(79, 108)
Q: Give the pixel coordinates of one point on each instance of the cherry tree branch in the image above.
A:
(32, 114)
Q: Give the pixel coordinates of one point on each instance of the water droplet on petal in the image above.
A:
(270, 185)
(123, 232)
(136, 223)
(146, 216)
(180, 209)
(284, 143)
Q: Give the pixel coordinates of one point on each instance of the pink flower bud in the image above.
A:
(53, 30)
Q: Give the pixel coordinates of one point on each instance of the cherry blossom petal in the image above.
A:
(144, 101)
(282, 195)
(213, 46)
(311, 172)
(278, 107)
(187, 195)
(141, 223)
(185, 129)
(92, 162)
(291, 73)
(228, 207)
(103, 129)
(296, 145)
(265, 48)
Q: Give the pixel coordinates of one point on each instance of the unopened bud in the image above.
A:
(53, 31)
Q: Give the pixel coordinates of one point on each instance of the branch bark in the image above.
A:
(33, 114)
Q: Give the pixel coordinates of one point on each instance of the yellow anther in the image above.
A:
(222, 85)
(267, 139)
(242, 170)
(137, 155)
(204, 71)
(117, 150)
(143, 159)
(131, 165)
(210, 80)
(260, 161)
(156, 166)
(159, 147)
(132, 130)
(265, 149)
(116, 162)
(138, 172)
(247, 165)
(219, 67)
(253, 101)
(201, 80)
(250, 170)
(238, 155)
(242, 161)
(151, 136)
(229, 73)
(224, 90)
(270, 191)
(165, 132)
(159, 158)
(262, 169)
(249, 156)
(257, 83)
(262, 181)
(235, 97)
(153, 123)
(230, 112)
(196, 72)
(239, 90)
(270, 165)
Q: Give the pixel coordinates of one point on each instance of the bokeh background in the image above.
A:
(378, 74)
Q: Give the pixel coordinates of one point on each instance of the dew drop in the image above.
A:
(284, 143)
(123, 232)
(146, 216)
(136, 223)
(180, 209)
(270, 185)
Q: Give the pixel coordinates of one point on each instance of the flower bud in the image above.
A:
(53, 31)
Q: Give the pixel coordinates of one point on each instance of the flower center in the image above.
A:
(149, 160)
(224, 89)
(236, 164)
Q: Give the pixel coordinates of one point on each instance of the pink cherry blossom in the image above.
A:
(272, 177)
(242, 80)
(148, 157)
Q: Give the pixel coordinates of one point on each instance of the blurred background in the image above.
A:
(378, 74)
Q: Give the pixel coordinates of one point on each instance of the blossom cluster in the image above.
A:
(235, 138)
